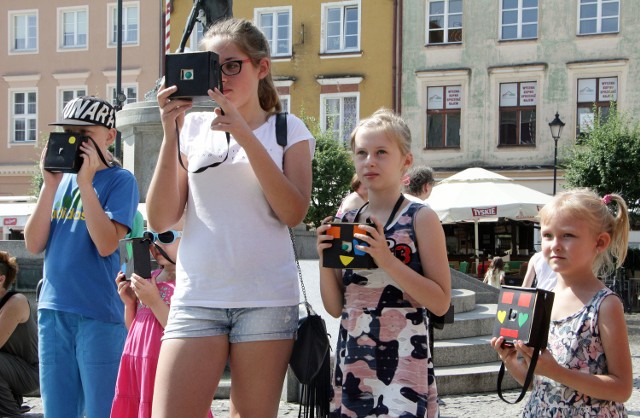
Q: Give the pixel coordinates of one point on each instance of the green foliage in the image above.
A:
(606, 160)
(332, 172)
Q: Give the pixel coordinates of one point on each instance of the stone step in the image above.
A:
(463, 300)
(471, 378)
(474, 323)
(463, 351)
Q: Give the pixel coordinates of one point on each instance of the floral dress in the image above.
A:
(575, 343)
(383, 363)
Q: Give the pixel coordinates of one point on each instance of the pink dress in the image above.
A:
(136, 376)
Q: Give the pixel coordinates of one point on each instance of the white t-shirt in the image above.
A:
(234, 251)
(545, 276)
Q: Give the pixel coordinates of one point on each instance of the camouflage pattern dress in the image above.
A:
(383, 364)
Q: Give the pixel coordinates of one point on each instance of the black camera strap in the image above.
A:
(394, 211)
(100, 154)
(201, 169)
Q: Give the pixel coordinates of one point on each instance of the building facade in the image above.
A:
(56, 50)
(335, 61)
(482, 79)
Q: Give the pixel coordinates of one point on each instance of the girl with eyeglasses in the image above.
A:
(237, 292)
(146, 309)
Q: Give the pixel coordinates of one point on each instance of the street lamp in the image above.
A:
(556, 126)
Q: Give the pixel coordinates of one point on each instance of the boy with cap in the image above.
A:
(78, 221)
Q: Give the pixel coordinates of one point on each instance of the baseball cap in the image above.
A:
(87, 111)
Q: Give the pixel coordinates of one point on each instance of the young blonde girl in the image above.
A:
(383, 363)
(495, 273)
(237, 292)
(586, 368)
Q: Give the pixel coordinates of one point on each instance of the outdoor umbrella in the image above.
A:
(477, 195)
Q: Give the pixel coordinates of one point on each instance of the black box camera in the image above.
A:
(135, 257)
(63, 152)
(193, 72)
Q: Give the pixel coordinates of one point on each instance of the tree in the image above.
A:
(606, 159)
(332, 171)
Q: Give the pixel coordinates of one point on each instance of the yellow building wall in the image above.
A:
(374, 64)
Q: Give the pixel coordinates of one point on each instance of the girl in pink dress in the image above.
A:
(146, 309)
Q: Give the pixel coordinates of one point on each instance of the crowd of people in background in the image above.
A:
(223, 196)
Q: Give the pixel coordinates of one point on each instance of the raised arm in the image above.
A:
(167, 194)
(36, 231)
(289, 191)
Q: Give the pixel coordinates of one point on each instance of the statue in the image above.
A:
(207, 12)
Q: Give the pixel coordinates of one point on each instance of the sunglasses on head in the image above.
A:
(168, 237)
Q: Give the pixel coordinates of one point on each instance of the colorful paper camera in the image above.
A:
(343, 253)
(523, 314)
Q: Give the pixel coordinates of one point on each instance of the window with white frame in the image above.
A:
(285, 99)
(598, 16)
(73, 28)
(339, 113)
(519, 19)
(341, 27)
(130, 23)
(444, 23)
(24, 31)
(443, 116)
(518, 113)
(594, 95)
(129, 90)
(67, 94)
(24, 116)
(275, 23)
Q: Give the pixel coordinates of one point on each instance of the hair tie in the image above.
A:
(607, 199)
(406, 180)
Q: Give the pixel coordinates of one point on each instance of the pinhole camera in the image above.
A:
(343, 253)
(193, 73)
(63, 152)
(135, 257)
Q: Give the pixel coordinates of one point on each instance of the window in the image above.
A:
(129, 90)
(24, 32)
(73, 29)
(23, 116)
(519, 19)
(598, 16)
(339, 113)
(443, 116)
(445, 22)
(69, 94)
(595, 93)
(276, 26)
(130, 24)
(284, 101)
(518, 113)
(341, 25)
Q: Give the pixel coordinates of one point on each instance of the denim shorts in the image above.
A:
(240, 324)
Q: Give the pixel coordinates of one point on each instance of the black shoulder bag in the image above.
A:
(310, 361)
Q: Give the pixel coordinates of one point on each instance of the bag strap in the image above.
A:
(281, 128)
(530, 371)
(281, 137)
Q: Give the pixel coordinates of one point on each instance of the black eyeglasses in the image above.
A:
(168, 237)
(233, 67)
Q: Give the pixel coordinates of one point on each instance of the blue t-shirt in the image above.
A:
(77, 279)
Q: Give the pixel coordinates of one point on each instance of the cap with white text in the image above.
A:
(88, 111)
